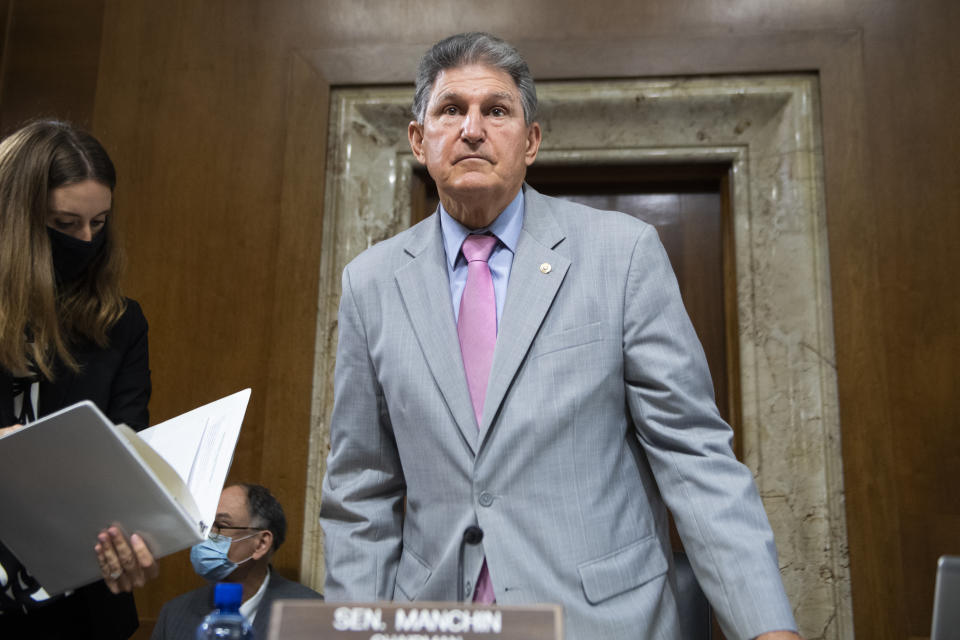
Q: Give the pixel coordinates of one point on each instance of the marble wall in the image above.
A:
(768, 130)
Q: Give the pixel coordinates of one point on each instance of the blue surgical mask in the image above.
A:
(209, 558)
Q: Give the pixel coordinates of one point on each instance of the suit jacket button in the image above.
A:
(486, 499)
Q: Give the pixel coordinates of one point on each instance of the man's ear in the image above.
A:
(415, 135)
(533, 143)
(264, 544)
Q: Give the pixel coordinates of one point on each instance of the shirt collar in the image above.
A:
(250, 607)
(506, 227)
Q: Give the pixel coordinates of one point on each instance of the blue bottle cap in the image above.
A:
(227, 595)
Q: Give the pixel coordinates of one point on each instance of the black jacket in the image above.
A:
(117, 380)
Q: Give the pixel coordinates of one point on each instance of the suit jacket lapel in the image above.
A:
(425, 290)
(263, 611)
(530, 294)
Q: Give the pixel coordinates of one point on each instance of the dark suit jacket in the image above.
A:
(180, 617)
(117, 380)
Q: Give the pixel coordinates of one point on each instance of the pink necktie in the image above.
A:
(477, 328)
(477, 322)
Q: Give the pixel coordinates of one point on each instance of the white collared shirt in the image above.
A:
(506, 227)
(249, 608)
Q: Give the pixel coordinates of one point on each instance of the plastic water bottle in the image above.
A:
(225, 621)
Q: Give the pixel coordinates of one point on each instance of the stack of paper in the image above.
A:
(72, 474)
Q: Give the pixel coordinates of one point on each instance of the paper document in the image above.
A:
(69, 475)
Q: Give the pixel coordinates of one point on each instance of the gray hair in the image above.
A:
(473, 48)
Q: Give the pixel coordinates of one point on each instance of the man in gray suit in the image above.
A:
(248, 529)
(548, 388)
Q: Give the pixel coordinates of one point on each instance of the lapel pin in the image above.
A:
(545, 267)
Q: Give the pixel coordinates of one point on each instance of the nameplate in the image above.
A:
(317, 620)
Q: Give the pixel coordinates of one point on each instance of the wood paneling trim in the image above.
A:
(731, 313)
(581, 58)
(290, 365)
(304, 189)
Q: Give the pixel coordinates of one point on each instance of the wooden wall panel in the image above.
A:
(915, 144)
(193, 99)
(223, 221)
(50, 60)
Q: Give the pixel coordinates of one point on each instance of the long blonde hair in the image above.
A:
(35, 160)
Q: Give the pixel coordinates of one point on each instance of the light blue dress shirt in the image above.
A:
(506, 228)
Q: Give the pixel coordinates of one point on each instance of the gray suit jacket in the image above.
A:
(180, 617)
(599, 412)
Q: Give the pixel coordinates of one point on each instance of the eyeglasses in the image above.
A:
(218, 529)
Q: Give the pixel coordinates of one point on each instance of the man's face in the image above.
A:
(233, 520)
(474, 141)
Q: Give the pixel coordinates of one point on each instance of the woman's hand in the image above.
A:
(5, 430)
(124, 564)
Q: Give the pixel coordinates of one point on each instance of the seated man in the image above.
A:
(248, 529)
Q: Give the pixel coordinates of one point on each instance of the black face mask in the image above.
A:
(71, 256)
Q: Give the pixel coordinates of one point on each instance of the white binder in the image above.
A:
(73, 473)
